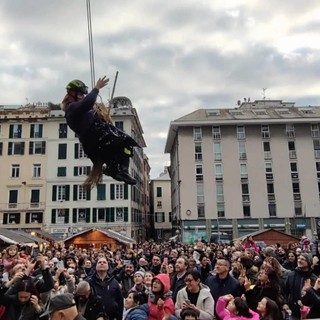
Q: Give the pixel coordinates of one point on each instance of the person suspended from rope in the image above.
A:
(108, 147)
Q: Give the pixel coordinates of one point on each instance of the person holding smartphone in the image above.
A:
(195, 296)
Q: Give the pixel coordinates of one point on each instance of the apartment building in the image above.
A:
(160, 198)
(239, 170)
(44, 167)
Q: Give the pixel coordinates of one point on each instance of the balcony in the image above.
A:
(245, 198)
(269, 176)
(294, 175)
(243, 156)
(216, 135)
(267, 155)
(271, 197)
(22, 206)
(297, 197)
(241, 135)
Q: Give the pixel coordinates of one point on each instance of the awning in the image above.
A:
(16, 236)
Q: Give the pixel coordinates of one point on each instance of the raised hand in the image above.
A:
(102, 82)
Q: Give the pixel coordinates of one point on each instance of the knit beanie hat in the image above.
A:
(308, 258)
(141, 273)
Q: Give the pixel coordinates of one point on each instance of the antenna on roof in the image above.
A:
(238, 102)
(264, 93)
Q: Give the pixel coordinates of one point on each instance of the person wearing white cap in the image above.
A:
(138, 282)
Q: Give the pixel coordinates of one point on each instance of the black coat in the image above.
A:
(94, 308)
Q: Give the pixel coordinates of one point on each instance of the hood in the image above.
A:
(165, 280)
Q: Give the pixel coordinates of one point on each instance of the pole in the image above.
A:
(114, 85)
(91, 55)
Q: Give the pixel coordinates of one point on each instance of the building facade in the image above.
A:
(44, 167)
(236, 171)
(160, 197)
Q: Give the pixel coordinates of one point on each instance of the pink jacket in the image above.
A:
(225, 314)
(155, 312)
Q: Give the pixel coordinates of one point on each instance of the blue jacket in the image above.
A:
(110, 293)
(138, 313)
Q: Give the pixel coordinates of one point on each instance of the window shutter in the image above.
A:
(32, 131)
(31, 147)
(94, 215)
(43, 147)
(125, 191)
(76, 151)
(125, 210)
(1, 148)
(19, 130)
(88, 195)
(40, 130)
(75, 171)
(67, 192)
(53, 216)
(18, 218)
(54, 193)
(10, 148)
(74, 215)
(112, 214)
(108, 213)
(22, 148)
(27, 217)
(66, 216)
(11, 131)
(40, 217)
(162, 217)
(88, 215)
(112, 191)
(88, 170)
(75, 192)
(5, 218)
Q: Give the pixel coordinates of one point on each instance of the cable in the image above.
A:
(91, 55)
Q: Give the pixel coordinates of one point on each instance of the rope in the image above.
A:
(90, 44)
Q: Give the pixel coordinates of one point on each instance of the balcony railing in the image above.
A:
(22, 206)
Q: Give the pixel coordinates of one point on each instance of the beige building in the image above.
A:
(235, 171)
(44, 167)
(160, 197)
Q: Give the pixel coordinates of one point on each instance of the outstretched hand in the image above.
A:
(102, 82)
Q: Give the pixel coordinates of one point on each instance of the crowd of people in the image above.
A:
(166, 281)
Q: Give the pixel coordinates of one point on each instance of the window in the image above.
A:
(62, 172)
(34, 217)
(15, 148)
(159, 204)
(292, 150)
(270, 190)
(260, 112)
(15, 131)
(316, 148)
(35, 198)
(199, 174)
(268, 168)
(197, 134)
(160, 218)
(220, 210)
(61, 215)
(63, 131)
(119, 215)
(15, 171)
(101, 215)
(37, 147)
(266, 149)
(298, 208)
(200, 193)
(159, 192)
(217, 151)
(101, 192)
(119, 125)
(11, 218)
(36, 171)
(119, 191)
(218, 171)
(246, 211)
(13, 198)
(242, 150)
(81, 170)
(241, 133)
(294, 170)
(62, 152)
(79, 152)
(290, 130)
(245, 192)
(243, 171)
(272, 210)
(200, 211)
(265, 133)
(216, 133)
(318, 169)
(315, 131)
(81, 216)
(36, 130)
(220, 192)
(1, 148)
(198, 151)
(60, 193)
(296, 191)
(82, 193)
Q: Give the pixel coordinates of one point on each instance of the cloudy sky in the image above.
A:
(173, 56)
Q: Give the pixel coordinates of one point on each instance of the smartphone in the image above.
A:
(187, 301)
(165, 260)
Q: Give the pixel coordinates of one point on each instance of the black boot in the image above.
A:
(124, 175)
